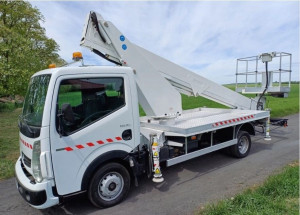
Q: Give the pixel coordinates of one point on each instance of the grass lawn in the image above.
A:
(278, 195)
(9, 142)
(284, 106)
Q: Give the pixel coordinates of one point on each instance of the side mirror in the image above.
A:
(67, 113)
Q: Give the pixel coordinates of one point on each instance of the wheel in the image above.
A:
(242, 148)
(109, 185)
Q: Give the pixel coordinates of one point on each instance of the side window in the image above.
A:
(69, 93)
(83, 101)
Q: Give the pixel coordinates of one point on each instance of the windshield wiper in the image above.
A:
(23, 121)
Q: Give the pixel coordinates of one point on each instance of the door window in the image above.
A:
(83, 101)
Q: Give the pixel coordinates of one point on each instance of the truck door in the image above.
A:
(92, 115)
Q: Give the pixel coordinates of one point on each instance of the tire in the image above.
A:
(109, 185)
(243, 146)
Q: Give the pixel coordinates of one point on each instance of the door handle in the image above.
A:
(127, 134)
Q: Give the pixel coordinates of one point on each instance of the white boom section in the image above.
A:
(192, 84)
(156, 77)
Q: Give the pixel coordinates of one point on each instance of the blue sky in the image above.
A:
(205, 37)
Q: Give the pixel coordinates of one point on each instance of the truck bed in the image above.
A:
(200, 120)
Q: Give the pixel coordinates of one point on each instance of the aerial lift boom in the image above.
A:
(85, 134)
(155, 76)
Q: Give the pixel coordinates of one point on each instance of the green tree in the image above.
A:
(24, 46)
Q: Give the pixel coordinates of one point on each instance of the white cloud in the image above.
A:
(206, 37)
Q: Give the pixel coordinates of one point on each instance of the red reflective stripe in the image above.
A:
(118, 138)
(30, 146)
(232, 120)
(68, 149)
(90, 144)
(109, 140)
(79, 146)
(100, 142)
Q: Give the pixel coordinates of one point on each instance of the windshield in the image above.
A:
(35, 100)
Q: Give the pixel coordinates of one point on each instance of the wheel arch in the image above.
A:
(110, 156)
(248, 127)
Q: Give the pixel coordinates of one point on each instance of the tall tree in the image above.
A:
(24, 46)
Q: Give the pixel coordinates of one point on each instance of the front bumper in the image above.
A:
(38, 195)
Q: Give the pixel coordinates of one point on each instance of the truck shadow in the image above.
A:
(198, 167)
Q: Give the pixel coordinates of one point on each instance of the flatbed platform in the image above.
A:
(200, 120)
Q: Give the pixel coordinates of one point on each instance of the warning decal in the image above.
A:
(157, 171)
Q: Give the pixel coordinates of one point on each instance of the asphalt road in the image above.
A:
(188, 186)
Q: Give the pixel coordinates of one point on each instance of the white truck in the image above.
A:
(80, 129)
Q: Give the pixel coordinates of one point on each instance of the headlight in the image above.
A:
(36, 164)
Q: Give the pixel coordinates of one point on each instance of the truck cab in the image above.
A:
(71, 116)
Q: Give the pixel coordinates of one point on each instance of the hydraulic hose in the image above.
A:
(103, 56)
(259, 104)
(95, 22)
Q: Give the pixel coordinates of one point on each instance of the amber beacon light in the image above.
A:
(77, 56)
(51, 66)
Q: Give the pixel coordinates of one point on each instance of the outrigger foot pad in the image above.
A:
(158, 180)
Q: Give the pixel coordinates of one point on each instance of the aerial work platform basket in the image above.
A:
(251, 75)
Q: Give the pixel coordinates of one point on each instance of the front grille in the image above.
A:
(26, 160)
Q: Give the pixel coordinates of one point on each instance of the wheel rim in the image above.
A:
(243, 145)
(110, 186)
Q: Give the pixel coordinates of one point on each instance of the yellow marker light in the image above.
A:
(51, 66)
(77, 56)
(193, 137)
